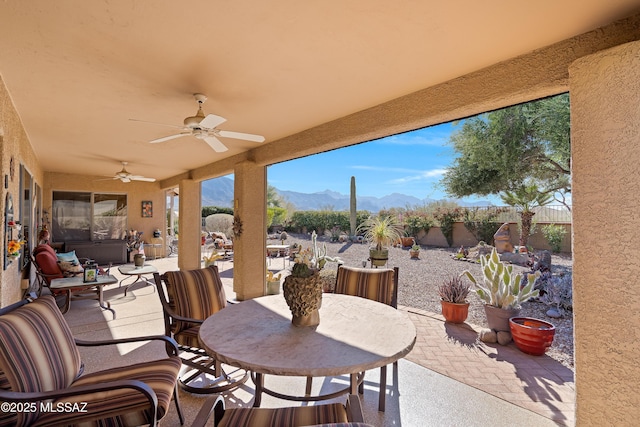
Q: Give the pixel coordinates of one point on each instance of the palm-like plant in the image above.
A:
(381, 231)
(524, 199)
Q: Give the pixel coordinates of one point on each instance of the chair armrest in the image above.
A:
(171, 344)
(146, 390)
(213, 405)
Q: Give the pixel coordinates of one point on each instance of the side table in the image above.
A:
(139, 272)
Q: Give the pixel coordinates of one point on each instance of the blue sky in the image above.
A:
(411, 163)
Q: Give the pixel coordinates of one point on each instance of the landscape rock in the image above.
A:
(502, 239)
(512, 258)
(504, 337)
(488, 336)
(554, 313)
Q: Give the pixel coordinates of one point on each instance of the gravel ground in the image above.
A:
(419, 279)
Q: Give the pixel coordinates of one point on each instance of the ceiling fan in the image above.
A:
(204, 127)
(125, 176)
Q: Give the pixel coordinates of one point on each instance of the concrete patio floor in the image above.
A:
(448, 379)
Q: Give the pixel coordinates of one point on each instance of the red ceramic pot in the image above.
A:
(532, 336)
(455, 312)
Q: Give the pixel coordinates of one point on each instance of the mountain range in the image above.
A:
(219, 192)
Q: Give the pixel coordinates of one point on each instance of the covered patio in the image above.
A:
(312, 77)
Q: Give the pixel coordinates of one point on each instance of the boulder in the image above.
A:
(504, 337)
(502, 239)
(488, 336)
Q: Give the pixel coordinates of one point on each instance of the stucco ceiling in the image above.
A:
(78, 71)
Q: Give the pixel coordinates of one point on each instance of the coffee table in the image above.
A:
(70, 284)
(354, 335)
(139, 272)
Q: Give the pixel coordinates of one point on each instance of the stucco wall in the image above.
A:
(605, 121)
(14, 143)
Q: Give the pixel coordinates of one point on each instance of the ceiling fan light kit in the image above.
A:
(204, 128)
(125, 176)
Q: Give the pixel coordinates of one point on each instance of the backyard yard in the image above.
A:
(418, 281)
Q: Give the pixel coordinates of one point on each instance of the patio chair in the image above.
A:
(188, 298)
(333, 414)
(378, 284)
(41, 373)
(45, 260)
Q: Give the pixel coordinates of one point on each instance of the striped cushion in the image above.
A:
(37, 350)
(284, 417)
(371, 283)
(124, 407)
(196, 294)
(188, 337)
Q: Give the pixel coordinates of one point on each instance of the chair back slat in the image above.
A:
(196, 294)
(378, 284)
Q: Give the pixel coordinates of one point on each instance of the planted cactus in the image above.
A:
(500, 287)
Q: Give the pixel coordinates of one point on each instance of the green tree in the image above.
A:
(524, 199)
(506, 149)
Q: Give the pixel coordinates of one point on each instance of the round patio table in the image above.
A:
(354, 335)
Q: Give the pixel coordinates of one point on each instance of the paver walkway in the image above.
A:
(538, 383)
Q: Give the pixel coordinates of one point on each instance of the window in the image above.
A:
(88, 216)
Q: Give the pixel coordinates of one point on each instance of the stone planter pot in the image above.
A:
(379, 258)
(138, 260)
(532, 336)
(498, 318)
(455, 312)
(304, 298)
(273, 288)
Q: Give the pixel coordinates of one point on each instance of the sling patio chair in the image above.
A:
(378, 284)
(188, 298)
(348, 414)
(41, 373)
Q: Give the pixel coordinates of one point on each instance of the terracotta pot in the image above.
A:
(455, 312)
(414, 254)
(407, 241)
(532, 336)
(498, 318)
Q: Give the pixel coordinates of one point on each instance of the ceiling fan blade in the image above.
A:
(124, 179)
(240, 135)
(141, 178)
(167, 138)
(215, 144)
(212, 121)
(156, 123)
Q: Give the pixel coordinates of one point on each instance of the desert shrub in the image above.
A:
(211, 210)
(554, 235)
(222, 223)
(447, 216)
(556, 291)
(482, 223)
(414, 222)
(320, 221)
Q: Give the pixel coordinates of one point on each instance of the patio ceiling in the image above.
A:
(77, 71)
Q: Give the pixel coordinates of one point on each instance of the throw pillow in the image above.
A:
(69, 263)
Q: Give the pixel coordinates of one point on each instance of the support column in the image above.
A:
(249, 249)
(605, 137)
(189, 223)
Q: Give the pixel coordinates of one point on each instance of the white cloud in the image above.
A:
(422, 176)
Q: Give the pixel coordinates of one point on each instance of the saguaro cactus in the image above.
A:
(352, 214)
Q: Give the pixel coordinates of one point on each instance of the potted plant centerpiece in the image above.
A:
(453, 298)
(381, 232)
(501, 290)
(302, 289)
